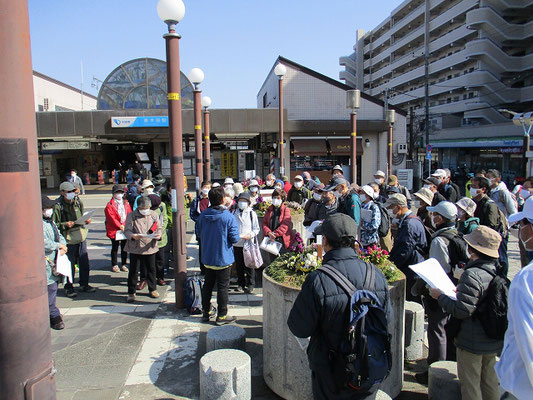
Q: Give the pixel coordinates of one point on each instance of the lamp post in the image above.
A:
(196, 75)
(353, 100)
(525, 120)
(390, 118)
(172, 12)
(206, 102)
(280, 71)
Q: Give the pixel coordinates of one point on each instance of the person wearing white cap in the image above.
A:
(228, 183)
(253, 188)
(423, 199)
(370, 217)
(337, 170)
(379, 178)
(466, 222)
(515, 368)
(443, 216)
(147, 188)
(298, 193)
(444, 188)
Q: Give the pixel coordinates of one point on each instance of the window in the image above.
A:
(265, 100)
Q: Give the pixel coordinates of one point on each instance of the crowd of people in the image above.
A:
(467, 235)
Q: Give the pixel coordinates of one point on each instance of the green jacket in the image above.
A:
(163, 220)
(298, 195)
(64, 212)
(51, 248)
(165, 198)
(466, 227)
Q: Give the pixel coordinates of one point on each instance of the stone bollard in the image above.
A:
(414, 331)
(225, 374)
(443, 382)
(382, 396)
(226, 337)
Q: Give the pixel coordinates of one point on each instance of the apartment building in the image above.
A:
(479, 56)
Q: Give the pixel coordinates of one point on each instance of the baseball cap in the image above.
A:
(395, 200)
(67, 186)
(334, 182)
(47, 202)
(117, 188)
(147, 183)
(527, 212)
(432, 180)
(445, 208)
(440, 173)
(253, 182)
(228, 180)
(368, 191)
(467, 205)
(485, 240)
(393, 189)
(298, 178)
(380, 173)
(337, 168)
(337, 226)
(425, 195)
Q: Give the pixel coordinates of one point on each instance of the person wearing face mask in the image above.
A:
(515, 368)
(298, 193)
(229, 199)
(410, 243)
(329, 205)
(423, 199)
(270, 181)
(253, 188)
(277, 222)
(286, 184)
(67, 211)
(476, 352)
(522, 191)
(393, 183)
(440, 348)
(433, 184)
(379, 179)
(228, 183)
(349, 203)
(499, 193)
(445, 188)
(279, 184)
(147, 189)
(54, 245)
(76, 180)
(313, 206)
(198, 206)
(248, 229)
(142, 249)
(336, 171)
(309, 183)
(370, 217)
(466, 222)
(116, 212)
(490, 215)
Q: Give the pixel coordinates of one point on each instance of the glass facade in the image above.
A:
(141, 84)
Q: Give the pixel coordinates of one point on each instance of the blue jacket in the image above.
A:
(51, 247)
(218, 231)
(409, 244)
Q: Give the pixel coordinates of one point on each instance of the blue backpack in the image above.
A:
(192, 294)
(363, 358)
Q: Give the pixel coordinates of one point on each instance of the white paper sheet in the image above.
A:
(147, 235)
(310, 229)
(86, 215)
(120, 236)
(433, 274)
(64, 267)
(366, 215)
(270, 246)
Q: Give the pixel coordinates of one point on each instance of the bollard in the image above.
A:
(225, 374)
(414, 331)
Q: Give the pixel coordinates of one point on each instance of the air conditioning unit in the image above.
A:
(402, 148)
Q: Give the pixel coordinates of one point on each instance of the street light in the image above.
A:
(280, 71)
(172, 12)
(353, 102)
(206, 102)
(390, 117)
(196, 75)
(525, 120)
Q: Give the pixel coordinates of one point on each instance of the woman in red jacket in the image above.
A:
(277, 222)
(115, 216)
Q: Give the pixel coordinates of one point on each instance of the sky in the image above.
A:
(235, 42)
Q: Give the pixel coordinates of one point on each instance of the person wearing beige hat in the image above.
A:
(423, 199)
(476, 352)
(298, 193)
(466, 222)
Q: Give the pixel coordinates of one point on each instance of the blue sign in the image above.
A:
(140, 122)
(428, 156)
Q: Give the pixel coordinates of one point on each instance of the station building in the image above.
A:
(129, 121)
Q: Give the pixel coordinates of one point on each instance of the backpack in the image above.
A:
(456, 248)
(192, 294)
(364, 357)
(491, 309)
(384, 225)
(131, 194)
(513, 198)
(502, 227)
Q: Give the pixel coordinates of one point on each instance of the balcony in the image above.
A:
(498, 28)
(347, 61)
(408, 38)
(348, 78)
(409, 18)
(457, 34)
(452, 13)
(486, 49)
(506, 4)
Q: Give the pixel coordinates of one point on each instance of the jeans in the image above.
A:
(77, 254)
(146, 261)
(52, 294)
(114, 252)
(245, 275)
(221, 277)
(502, 252)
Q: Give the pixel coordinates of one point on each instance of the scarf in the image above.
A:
(274, 219)
(121, 210)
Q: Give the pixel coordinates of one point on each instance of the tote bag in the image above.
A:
(252, 254)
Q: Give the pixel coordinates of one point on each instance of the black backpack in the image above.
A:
(363, 358)
(456, 249)
(491, 309)
(384, 225)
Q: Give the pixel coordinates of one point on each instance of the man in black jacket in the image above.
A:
(320, 309)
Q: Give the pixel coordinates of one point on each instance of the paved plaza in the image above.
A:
(149, 350)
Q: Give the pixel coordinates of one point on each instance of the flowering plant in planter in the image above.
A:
(261, 206)
(380, 258)
(292, 268)
(294, 208)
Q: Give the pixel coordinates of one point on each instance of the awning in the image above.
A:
(343, 147)
(310, 147)
(478, 143)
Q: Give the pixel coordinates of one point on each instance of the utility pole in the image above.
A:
(426, 77)
(26, 367)
(411, 134)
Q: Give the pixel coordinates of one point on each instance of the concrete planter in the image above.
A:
(285, 366)
(298, 224)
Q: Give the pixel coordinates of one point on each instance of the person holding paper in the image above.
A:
(67, 211)
(116, 212)
(476, 352)
(54, 245)
(370, 217)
